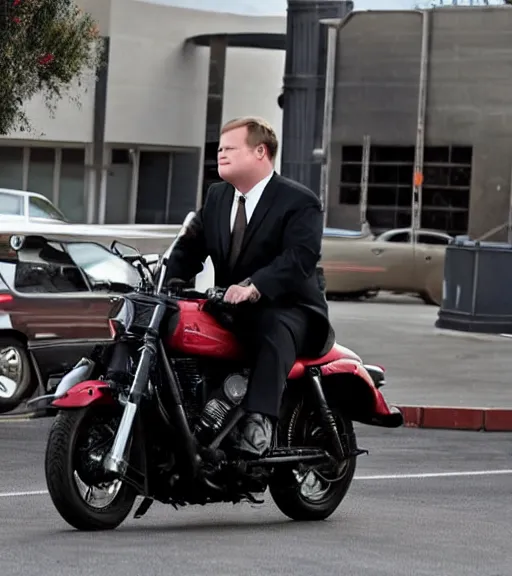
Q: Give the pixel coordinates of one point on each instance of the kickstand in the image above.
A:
(145, 505)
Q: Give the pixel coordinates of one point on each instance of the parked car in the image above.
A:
(21, 206)
(55, 298)
(391, 261)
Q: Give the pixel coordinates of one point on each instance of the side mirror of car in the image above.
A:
(124, 251)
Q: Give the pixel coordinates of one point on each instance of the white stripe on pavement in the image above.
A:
(420, 476)
(18, 494)
(425, 475)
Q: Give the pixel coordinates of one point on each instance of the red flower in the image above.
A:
(16, 2)
(46, 59)
(16, 20)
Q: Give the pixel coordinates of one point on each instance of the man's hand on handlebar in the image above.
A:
(236, 294)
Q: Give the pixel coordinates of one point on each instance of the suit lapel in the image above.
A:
(226, 204)
(263, 206)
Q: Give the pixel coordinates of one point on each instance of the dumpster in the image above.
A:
(477, 287)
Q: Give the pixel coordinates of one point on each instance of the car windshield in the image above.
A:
(42, 208)
(101, 265)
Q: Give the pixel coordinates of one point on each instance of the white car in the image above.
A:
(21, 206)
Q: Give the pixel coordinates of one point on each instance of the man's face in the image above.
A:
(235, 157)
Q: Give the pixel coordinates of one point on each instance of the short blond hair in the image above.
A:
(259, 131)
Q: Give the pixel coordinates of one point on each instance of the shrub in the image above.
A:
(45, 45)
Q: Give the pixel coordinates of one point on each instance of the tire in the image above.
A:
(427, 299)
(61, 456)
(13, 350)
(284, 487)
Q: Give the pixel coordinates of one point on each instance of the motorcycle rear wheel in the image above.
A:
(306, 496)
(67, 462)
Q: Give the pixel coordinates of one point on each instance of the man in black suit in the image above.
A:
(263, 233)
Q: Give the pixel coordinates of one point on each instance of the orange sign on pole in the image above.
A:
(418, 179)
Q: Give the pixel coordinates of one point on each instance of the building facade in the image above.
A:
(466, 129)
(135, 149)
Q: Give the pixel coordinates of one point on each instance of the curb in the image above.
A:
(455, 418)
(430, 417)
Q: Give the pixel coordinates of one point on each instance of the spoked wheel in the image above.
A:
(16, 377)
(80, 489)
(311, 492)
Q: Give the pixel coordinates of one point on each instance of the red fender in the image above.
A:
(84, 394)
(380, 414)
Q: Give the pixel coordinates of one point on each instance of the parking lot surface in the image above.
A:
(423, 502)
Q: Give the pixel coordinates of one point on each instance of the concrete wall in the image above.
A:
(469, 102)
(377, 74)
(158, 85)
(254, 93)
(468, 98)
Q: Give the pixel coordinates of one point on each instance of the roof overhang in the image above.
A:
(262, 40)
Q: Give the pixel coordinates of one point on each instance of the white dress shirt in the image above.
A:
(251, 199)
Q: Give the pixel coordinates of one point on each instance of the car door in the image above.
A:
(393, 252)
(430, 251)
(359, 265)
(54, 307)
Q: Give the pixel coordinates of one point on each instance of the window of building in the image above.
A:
(41, 169)
(11, 167)
(446, 188)
(72, 184)
(153, 195)
(119, 187)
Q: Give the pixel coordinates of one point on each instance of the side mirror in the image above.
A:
(124, 251)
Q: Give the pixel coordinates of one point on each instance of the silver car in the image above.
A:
(21, 206)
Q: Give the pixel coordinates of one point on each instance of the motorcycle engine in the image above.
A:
(214, 414)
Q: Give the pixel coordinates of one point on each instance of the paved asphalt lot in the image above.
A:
(425, 502)
(426, 365)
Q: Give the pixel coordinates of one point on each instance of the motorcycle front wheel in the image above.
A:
(315, 492)
(80, 490)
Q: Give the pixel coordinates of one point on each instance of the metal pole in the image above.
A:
(332, 37)
(420, 128)
(509, 228)
(364, 181)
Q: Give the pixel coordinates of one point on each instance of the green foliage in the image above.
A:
(45, 45)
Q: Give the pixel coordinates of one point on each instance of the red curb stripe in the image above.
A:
(455, 418)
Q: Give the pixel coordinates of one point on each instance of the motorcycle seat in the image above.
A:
(337, 352)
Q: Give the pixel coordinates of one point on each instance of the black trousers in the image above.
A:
(274, 338)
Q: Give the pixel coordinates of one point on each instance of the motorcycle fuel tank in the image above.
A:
(199, 334)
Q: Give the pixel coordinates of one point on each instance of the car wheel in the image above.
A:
(425, 296)
(17, 381)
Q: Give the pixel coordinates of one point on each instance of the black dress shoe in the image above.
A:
(255, 438)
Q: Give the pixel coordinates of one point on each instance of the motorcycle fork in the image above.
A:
(117, 460)
(315, 380)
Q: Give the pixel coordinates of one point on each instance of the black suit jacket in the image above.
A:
(280, 250)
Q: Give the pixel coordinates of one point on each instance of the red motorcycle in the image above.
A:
(154, 414)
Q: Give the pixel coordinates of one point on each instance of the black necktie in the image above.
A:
(237, 235)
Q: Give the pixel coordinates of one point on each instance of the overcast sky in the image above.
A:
(275, 7)
(278, 7)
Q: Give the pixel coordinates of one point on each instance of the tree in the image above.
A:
(45, 45)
